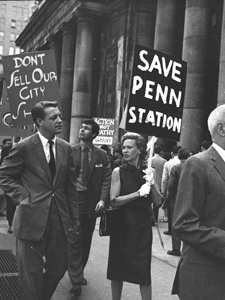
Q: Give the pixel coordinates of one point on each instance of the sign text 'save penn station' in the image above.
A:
(156, 94)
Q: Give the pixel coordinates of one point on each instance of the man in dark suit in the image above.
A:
(10, 206)
(157, 164)
(93, 172)
(39, 175)
(164, 185)
(6, 146)
(174, 179)
(199, 219)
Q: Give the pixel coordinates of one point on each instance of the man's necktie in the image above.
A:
(52, 160)
(85, 166)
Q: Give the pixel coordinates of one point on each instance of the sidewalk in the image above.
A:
(98, 288)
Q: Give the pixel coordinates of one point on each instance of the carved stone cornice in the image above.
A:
(85, 15)
(51, 16)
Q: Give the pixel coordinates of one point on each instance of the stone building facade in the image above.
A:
(13, 18)
(94, 42)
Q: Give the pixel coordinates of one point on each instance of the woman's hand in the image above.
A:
(100, 206)
(149, 178)
(144, 190)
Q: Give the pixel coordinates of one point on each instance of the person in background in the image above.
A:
(118, 158)
(6, 142)
(205, 145)
(10, 206)
(157, 164)
(6, 146)
(93, 177)
(164, 186)
(167, 155)
(39, 175)
(174, 178)
(107, 150)
(199, 219)
(129, 251)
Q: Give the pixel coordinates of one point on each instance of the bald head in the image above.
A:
(216, 123)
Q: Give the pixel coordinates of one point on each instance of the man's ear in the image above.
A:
(39, 121)
(220, 128)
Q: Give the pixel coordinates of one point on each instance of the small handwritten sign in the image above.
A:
(30, 77)
(106, 131)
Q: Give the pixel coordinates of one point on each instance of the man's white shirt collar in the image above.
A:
(44, 141)
(219, 150)
(45, 145)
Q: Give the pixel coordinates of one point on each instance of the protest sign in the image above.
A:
(157, 94)
(30, 77)
(106, 131)
(6, 128)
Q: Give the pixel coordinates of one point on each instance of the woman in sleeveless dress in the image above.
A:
(130, 249)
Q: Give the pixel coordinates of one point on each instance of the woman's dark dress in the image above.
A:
(130, 251)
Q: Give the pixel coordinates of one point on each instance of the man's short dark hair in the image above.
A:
(5, 141)
(167, 155)
(183, 154)
(38, 111)
(119, 151)
(157, 149)
(105, 148)
(176, 149)
(95, 127)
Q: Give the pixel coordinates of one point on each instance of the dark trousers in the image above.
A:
(169, 217)
(80, 245)
(34, 284)
(176, 243)
(10, 210)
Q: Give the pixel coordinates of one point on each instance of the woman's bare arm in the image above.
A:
(115, 199)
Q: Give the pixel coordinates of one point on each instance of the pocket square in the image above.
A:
(98, 166)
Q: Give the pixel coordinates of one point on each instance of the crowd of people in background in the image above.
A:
(60, 190)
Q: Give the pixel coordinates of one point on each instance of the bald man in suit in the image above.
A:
(199, 219)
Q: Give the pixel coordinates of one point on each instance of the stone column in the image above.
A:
(1, 79)
(146, 24)
(166, 26)
(83, 69)
(221, 83)
(56, 44)
(66, 77)
(195, 47)
(166, 40)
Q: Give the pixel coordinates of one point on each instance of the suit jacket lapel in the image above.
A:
(38, 149)
(218, 161)
(59, 156)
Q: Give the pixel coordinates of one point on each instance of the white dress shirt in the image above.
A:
(46, 145)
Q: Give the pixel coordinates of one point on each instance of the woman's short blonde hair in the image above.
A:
(140, 142)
